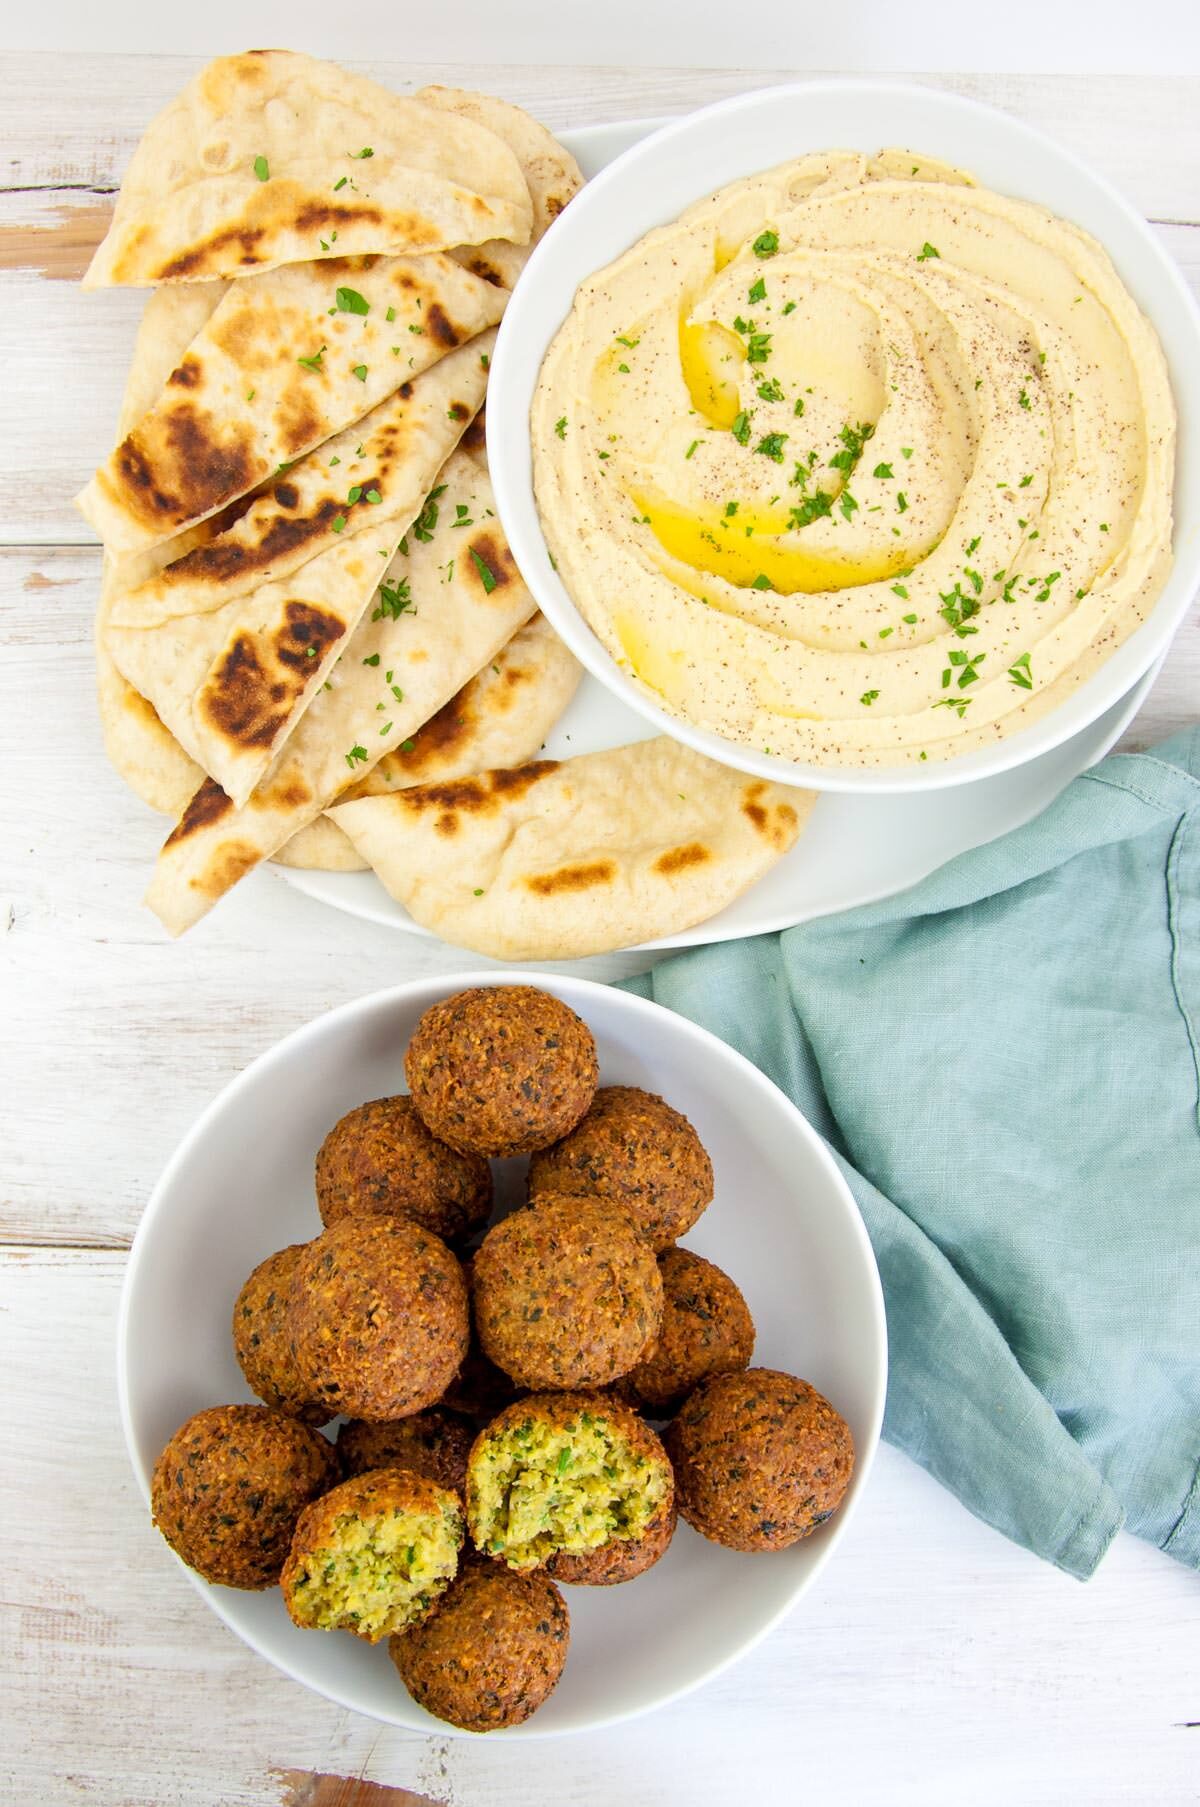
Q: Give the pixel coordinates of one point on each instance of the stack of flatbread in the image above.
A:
(313, 644)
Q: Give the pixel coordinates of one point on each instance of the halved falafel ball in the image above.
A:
(566, 1296)
(760, 1458)
(706, 1329)
(381, 1158)
(378, 1317)
(637, 1150)
(564, 1472)
(501, 1070)
(490, 1652)
(435, 1443)
(229, 1487)
(618, 1560)
(262, 1341)
(373, 1555)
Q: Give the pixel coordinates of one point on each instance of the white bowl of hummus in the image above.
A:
(848, 432)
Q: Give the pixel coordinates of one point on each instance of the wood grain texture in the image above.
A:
(932, 1664)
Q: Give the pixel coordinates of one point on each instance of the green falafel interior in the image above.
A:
(536, 1488)
(373, 1574)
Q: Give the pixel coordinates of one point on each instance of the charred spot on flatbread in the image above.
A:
(221, 561)
(260, 677)
(206, 468)
(774, 824)
(200, 258)
(584, 876)
(187, 374)
(320, 214)
(475, 437)
(441, 327)
(678, 859)
(207, 806)
(482, 795)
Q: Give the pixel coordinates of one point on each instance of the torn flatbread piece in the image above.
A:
(500, 718)
(231, 683)
(551, 172)
(273, 157)
(284, 362)
(551, 861)
(449, 602)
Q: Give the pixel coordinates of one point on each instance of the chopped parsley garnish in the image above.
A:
(967, 674)
(624, 369)
(959, 704)
(374, 497)
(356, 756)
(853, 440)
(560, 426)
(338, 522)
(758, 350)
(741, 428)
(771, 446)
(372, 660)
(1020, 673)
(1025, 481)
(360, 371)
(426, 521)
(414, 328)
(847, 504)
(313, 363)
(340, 184)
(901, 502)
(390, 315)
(900, 591)
(353, 494)
(812, 508)
(927, 250)
(957, 610)
(790, 307)
(622, 340)
(762, 582)
(882, 471)
(766, 244)
(691, 448)
(486, 575)
(909, 620)
(757, 291)
(366, 151)
(349, 301)
(798, 410)
(906, 451)
(262, 169)
(1023, 399)
(868, 697)
(770, 390)
(394, 601)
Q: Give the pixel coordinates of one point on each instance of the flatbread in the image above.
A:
(500, 718)
(242, 402)
(232, 682)
(193, 203)
(549, 169)
(140, 749)
(462, 599)
(553, 861)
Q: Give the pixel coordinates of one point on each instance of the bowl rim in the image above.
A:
(510, 459)
(574, 991)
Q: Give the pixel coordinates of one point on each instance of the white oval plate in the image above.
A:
(856, 848)
(782, 1223)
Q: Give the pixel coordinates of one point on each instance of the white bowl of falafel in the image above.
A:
(500, 1357)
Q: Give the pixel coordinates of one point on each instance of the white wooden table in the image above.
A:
(933, 1662)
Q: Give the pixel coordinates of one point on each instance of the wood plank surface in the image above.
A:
(933, 1663)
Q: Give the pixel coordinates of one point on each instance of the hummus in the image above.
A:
(857, 462)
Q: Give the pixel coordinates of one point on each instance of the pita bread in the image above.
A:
(552, 861)
(231, 683)
(259, 162)
(278, 368)
(500, 718)
(463, 599)
(144, 754)
(549, 169)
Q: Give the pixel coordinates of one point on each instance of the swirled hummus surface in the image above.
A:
(857, 462)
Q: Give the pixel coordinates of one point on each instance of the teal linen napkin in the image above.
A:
(1004, 1060)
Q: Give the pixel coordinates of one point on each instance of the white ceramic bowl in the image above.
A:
(783, 1223)
(693, 156)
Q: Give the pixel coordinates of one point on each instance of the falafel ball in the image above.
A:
(619, 1560)
(760, 1458)
(378, 1317)
(262, 1341)
(565, 1472)
(373, 1554)
(706, 1329)
(229, 1487)
(490, 1652)
(501, 1070)
(435, 1443)
(566, 1296)
(381, 1158)
(637, 1150)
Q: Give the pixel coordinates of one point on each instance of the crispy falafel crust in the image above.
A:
(620, 1560)
(378, 1317)
(435, 1443)
(760, 1458)
(501, 1070)
(566, 1296)
(262, 1341)
(381, 1158)
(706, 1329)
(490, 1652)
(229, 1487)
(636, 1149)
(371, 1504)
